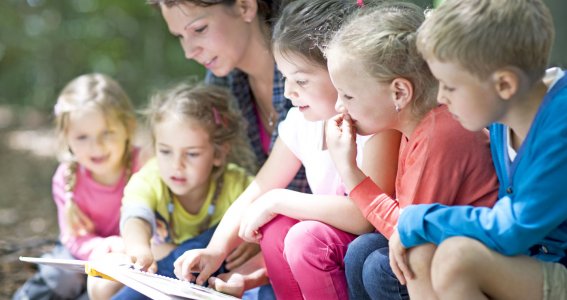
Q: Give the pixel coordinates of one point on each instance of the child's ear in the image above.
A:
(220, 154)
(401, 91)
(248, 9)
(506, 82)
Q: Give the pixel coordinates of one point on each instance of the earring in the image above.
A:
(398, 108)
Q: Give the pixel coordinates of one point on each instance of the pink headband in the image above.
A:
(360, 3)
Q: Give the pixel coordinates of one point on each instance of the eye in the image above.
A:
(347, 97)
(447, 88)
(81, 137)
(164, 151)
(201, 29)
(193, 154)
(301, 82)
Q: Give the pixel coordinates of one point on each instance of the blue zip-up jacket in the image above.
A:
(531, 215)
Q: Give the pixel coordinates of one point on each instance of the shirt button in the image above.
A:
(509, 190)
(544, 249)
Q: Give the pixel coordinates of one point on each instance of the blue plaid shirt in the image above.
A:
(237, 82)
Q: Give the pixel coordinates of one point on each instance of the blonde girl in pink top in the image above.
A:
(383, 83)
(95, 124)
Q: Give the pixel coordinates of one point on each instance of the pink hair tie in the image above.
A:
(360, 3)
(218, 118)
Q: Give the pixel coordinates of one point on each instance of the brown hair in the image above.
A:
(210, 107)
(383, 39)
(484, 35)
(306, 26)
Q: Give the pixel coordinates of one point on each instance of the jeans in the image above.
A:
(165, 265)
(368, 272)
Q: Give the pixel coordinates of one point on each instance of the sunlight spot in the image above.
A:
(38, 142)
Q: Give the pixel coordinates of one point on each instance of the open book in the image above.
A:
(153, 286)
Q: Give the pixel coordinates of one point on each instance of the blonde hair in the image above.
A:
(210, 107)
(485, 35)
(92, 90)
(382, 38)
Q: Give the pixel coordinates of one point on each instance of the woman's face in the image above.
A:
(215, 36)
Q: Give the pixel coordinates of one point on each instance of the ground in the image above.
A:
(28, 225)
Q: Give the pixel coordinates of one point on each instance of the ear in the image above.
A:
(220, 154)
(506, 82)
(401, 91)
(248, 9)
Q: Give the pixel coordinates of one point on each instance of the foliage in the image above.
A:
(46, 43)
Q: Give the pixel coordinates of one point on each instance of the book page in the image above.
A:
(68, 264)
(157, 286)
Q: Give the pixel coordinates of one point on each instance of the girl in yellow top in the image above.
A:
(175, 201)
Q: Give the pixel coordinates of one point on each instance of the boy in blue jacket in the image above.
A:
(490, 59)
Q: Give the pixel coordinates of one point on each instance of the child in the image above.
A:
(303, 237)
(517, 249)
(438, 160)
(95, 124)
(180, 196)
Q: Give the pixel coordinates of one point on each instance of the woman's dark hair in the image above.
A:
(266, 8)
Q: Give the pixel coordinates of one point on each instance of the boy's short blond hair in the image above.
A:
(485, 35)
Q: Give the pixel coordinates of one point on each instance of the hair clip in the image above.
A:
(58, 109)
(360, 3)
(219, 120)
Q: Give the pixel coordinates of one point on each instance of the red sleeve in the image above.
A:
(379, 209)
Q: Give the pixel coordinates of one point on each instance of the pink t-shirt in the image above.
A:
(99, 202)
(440, 163)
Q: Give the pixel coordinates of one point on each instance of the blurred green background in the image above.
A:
(46, 43)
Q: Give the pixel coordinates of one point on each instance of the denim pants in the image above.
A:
(165, 265)
(368, 272)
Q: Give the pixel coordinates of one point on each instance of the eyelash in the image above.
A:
(201, 29)
(347, 97)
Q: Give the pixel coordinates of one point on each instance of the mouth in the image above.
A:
(210, 63)
(100, 159)
(302, 108)
(178, 180)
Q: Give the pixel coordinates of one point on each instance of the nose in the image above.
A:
(179, 163)
(289, 92)
(441, 98)
(190, 48)
(339, 106)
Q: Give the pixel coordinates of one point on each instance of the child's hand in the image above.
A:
(142, 258)
(257, 215)
(399, 259)
(228, 283)
(340, 136)
(202, 261)
(111, 244)
(241, 254)
(79, 224)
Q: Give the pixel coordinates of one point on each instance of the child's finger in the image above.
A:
(395, 268)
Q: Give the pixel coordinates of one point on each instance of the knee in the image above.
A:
(273, 232)
(300, 245)
(456, 257)
(420, 259)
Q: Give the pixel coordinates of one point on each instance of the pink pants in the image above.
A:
(304, 259)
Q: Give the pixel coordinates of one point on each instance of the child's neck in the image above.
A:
(194, 199)
(522, 112)
(110, 178)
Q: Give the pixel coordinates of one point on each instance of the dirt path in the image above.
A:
(28, 225)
